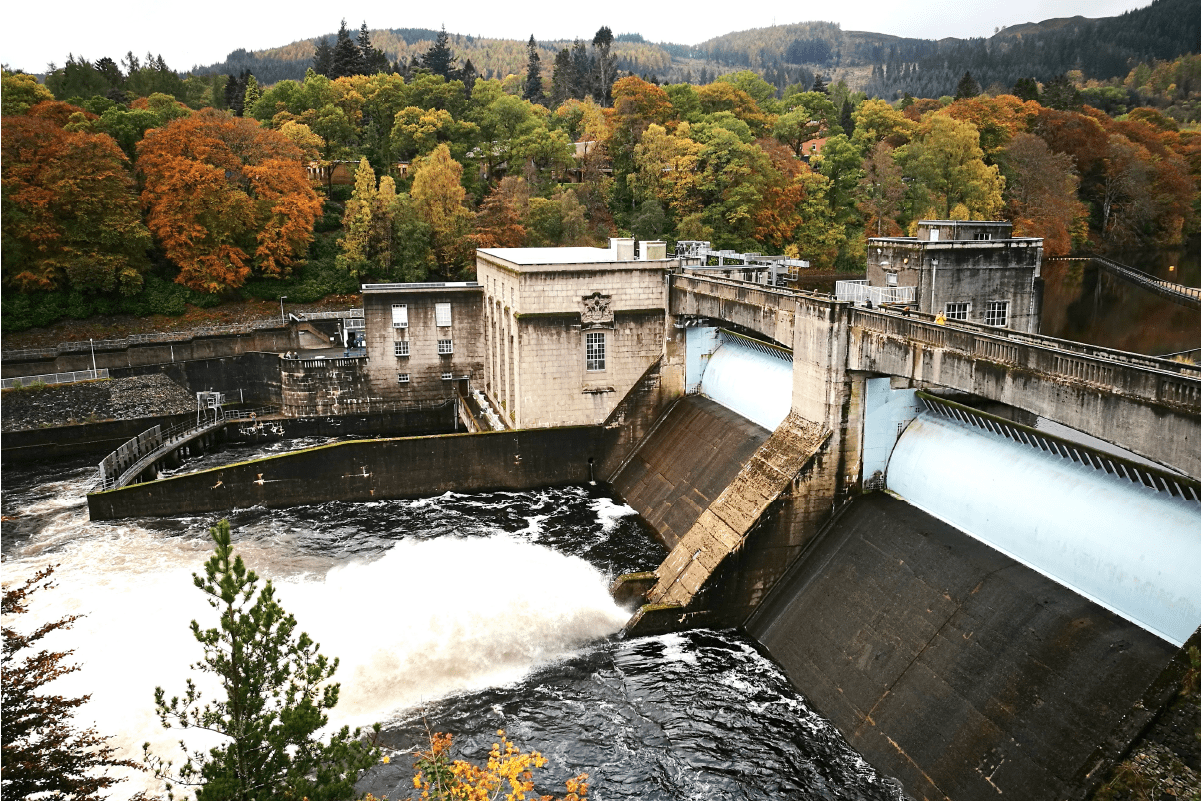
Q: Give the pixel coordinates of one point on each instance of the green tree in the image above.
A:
(533, 75)
(346, 59)
(20, 91)
(967, 87)
(949, 171)
(251, 95)
(357, 223)
(440, 59)
(44, 754)
(275, 692)
(811, 115)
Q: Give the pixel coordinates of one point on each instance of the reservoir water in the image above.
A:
(463, 613)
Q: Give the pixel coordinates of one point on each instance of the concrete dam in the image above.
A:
(982, 601)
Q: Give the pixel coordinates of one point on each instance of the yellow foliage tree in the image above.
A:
(508, 770)
(438, 197)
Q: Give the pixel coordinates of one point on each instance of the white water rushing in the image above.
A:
(421, 621)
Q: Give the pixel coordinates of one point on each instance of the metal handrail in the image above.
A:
(54, 378)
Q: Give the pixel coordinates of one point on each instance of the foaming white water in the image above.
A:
(423, 620)
(611, 513)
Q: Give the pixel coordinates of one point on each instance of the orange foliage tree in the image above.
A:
(508, 770)
(224, 196)
(70, 213)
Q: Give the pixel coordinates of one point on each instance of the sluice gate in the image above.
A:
(1125, 535)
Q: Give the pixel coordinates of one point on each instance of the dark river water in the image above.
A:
(1084, 303)
(466, 613)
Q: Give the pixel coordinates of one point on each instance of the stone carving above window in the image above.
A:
(597, 311)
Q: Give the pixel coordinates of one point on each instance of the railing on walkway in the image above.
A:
(53, 378)
(860, 293)
(330, 315)
(126, 462)
(164, 337)
(1160, 480)
(1178, 293)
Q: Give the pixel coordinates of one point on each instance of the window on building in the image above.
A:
(983, 237)
(957, 311)
(447, 377)
(400, 315)
(401, 347)
(890, 278)
(595, 347)
(402, 378)
(442, 314)
(445, 347)
(997, 313)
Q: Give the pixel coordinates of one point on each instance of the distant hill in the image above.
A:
(880, 64)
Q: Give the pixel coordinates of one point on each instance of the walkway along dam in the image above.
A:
(974, 549)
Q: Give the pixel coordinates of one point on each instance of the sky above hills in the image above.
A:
(187, 34)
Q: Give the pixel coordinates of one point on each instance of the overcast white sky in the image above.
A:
(190, 33)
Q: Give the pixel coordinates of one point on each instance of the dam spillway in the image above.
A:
(1130, 548)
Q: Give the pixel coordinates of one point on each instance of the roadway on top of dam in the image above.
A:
(1147, 405)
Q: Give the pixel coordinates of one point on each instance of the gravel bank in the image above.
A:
(91, 401)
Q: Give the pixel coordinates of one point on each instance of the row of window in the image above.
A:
(996, 313)
(400, 315)
(401, 347)
(403, 378)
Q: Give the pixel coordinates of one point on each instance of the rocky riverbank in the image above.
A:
(92, 401)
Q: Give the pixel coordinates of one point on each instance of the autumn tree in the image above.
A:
(275, 693)
(499, 222)
(508, 770)
(224, 196)
(44, 754)
(881, 191)
(70, 213)
(1040, 188)
(357, 223)
(950, 175)
(438, 196)
(19, 91)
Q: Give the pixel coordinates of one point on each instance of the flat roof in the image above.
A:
(573, 255)
(429, 285)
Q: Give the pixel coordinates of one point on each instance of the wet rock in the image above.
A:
(92, 401)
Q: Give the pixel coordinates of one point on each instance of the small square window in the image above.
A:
(402, 378)
(401, 347)
(400, 315)
(445, 347)
(997, 313)
(891, 278)
(957, 311)
(447, 377)
(442, 314)
(595, 351)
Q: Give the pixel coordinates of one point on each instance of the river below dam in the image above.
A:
(463, 613)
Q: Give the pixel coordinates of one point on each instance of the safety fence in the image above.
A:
(53, 378)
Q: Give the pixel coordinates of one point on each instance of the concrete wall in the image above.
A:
(955, 669)
(167, 351)
(324, 386)
(424, 366)
(39, 444)
(412, 467)
(686, 463)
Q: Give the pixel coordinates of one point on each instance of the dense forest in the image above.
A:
(878, 64)
(128, 187)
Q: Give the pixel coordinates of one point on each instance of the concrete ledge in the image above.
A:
(407, 467)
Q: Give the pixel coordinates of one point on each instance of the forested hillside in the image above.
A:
(130, 188)
(878, 64)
